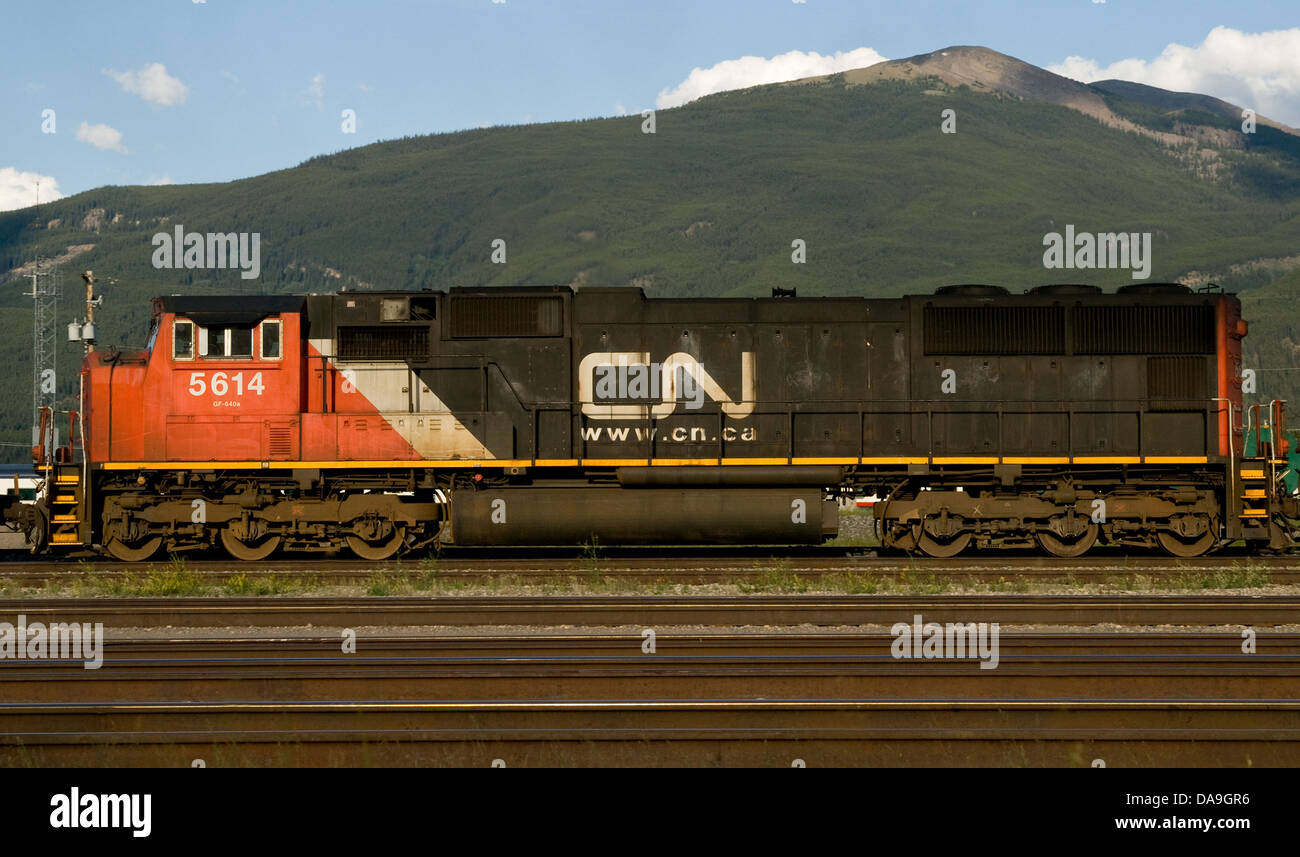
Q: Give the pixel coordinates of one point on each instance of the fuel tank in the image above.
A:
(649, 516)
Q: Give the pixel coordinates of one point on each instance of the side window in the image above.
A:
(182, 340)
(270, 340)
(216, 344)
(226, 343)
(240, 341)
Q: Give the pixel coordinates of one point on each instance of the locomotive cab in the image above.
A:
(220, 381)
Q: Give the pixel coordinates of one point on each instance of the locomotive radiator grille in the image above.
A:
(994, 330)
(1144, 330)
(382, 343)
(490, 317)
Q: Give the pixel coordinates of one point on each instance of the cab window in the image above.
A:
(271, 340)
(226, 342)
(182, 340)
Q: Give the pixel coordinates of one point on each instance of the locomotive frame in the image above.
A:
(384, 421)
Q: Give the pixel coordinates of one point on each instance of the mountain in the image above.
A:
(1174, 103)
(982, 70)
(855, 164)
(985, 70)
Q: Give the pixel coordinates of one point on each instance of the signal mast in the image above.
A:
(84, 331)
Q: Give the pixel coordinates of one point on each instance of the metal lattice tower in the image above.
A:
(45, 301)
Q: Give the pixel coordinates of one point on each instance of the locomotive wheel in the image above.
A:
(245, 551)
(941, 550)
(378, 550)
(1185, 548)
(1057, 546)
(136, 553)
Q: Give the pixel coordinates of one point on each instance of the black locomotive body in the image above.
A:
(1059, 418)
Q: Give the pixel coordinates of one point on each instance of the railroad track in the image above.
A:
(524, 645)
(679, 568)
(706, 732)
(830, 666)
(700, 699)
(542, 695)
(659, 611)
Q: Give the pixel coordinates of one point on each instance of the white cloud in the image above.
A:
(101, 137)
(153, 84)
(755, 71)
(18, 188)
(161, 180)
(1256, 70)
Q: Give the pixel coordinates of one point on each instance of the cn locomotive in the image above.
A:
(383, 421)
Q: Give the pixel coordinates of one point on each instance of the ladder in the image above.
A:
(65, 492)
(1261, 474)
(1255, 492)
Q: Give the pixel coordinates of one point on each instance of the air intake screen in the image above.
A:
(1176, 378)
(1144, 330)
(383, 343)
(484, 317)
(281, 441)
(994, 330)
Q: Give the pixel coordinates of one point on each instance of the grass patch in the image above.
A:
(854, 583)
(243, 585)
(592, 560)
(1015, 584)
(171, 580)
(387, 583)
(774, 577)
(922, 581)
(1245, 575)
(593, 574)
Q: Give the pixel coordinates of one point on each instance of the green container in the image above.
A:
(1292, 476)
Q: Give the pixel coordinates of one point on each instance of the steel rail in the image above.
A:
(524, 645)
(699, 732)
(656, 611)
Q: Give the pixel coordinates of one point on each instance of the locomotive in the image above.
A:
(384, 421)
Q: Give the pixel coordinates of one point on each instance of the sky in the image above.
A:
(182, 91)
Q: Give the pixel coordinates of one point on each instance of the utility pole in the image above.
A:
(45, 299)
(87, 330)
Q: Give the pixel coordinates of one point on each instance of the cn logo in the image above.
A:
(623, 375)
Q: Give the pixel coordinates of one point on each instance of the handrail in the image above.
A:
(1232, 465)
(1275, 429)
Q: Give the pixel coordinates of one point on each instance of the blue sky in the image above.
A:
(181, 91)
